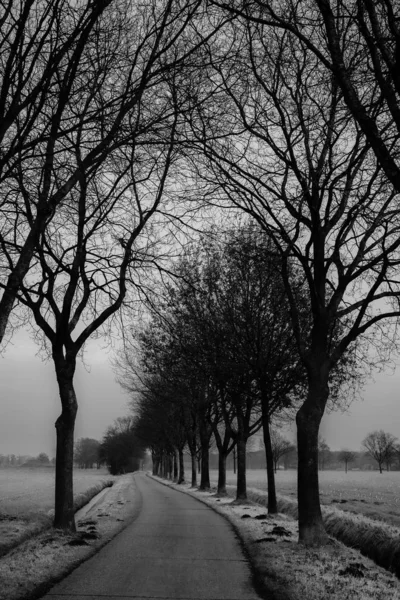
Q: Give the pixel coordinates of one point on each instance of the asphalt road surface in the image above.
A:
(176, 548)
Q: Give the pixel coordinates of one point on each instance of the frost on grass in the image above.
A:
(38, 562)
(292, 572)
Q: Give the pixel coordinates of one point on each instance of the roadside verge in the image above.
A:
(28, 571)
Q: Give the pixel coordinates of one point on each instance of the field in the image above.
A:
(27, 500)
(26, 492)
(368, 493)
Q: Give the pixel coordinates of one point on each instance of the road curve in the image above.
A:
(176, 549)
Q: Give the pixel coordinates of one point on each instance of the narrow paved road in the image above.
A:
(176, 549)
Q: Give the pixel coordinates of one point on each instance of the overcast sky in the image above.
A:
(30, 404)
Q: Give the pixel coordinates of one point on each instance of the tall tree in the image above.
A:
(95, 244)
(359, 43)
(279, 143)
(54, 87)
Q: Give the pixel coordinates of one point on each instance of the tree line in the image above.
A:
(119, 118)
(218, 359)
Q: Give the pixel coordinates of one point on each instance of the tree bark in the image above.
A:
(65, 424)
(272, 501)
(205, 435)
(205, 468)
(241, 489)
(221, 489)
(181, 476)
(170, 463)
(194, 470)
(311, 528)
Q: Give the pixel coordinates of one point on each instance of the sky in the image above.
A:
(30, 405)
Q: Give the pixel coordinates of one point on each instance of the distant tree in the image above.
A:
(43, 459)
(280, 447)
(121, 449)
(346, 457)
(86, 453)
(381, 446)
(324, 453)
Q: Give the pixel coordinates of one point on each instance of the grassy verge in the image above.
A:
(374, 539)
(28, 571)
(286, 570)
(14, 529)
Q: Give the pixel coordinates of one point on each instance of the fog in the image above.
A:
(30, 404)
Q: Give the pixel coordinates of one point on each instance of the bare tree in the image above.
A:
(52, 88)
(346, 457)
(289, 154)
(381, 446)
(280, 447)
(358, 42)
(97, 243)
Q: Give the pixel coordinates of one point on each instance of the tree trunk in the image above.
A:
(170, 463)
(221, 490)
(175, 466)
(205, 434)
(234, 460)
(272, 501)
(194, 470)
(205, 468)
(241, 489)
(65, 424)
(308, 418)
(181, 477)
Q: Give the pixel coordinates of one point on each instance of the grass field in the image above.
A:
(25, 492)
(368, 493)
(27, 500)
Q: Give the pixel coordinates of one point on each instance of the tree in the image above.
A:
(86, 453)
(47, 50)
(324, 452)
(346, 457)
(121, 449)
(43, 459)
(95, 245)
(280, 447)
(381, 446)
(289, 154)
(358, 43)
(369, 76)
(208, 301)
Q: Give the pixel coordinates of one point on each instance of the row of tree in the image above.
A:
(23, 460)
(115, 115)
(90, 173)
(218, 359)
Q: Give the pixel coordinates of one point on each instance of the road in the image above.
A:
(176, 548)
